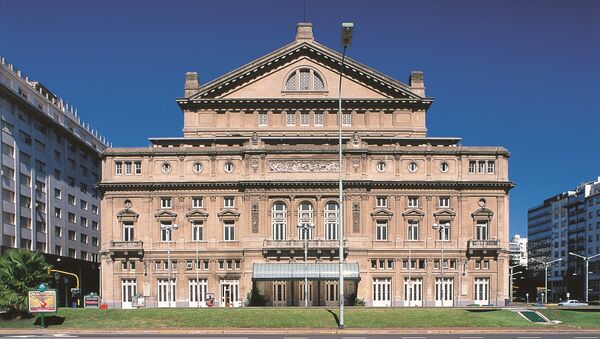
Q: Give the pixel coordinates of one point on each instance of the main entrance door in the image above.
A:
(230, 293)
(413, 292)
(382, 292)
(166, 293)
(279, 293)
(128, 290)
(444, 292)
(482, 287)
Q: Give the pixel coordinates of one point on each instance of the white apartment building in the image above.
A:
(518, 250)
(50, 166)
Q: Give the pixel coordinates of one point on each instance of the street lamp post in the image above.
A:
(546, 265)
(512, 274)
(305, 227)
(346, 40)
(169, 228)
(442, 229)
(587, 266)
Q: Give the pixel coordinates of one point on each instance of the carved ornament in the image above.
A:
(303, 166)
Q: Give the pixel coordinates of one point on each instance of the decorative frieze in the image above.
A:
(254, 215)
(303, 166)
(356, 217)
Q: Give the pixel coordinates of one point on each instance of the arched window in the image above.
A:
(304, 80)
(279, 221)
(305, 217)
(332, 212)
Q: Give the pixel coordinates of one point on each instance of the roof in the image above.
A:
(293, 271)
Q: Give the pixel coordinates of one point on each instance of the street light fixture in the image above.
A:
(546, 265)
(305, 226)
(442, 229)
(587, 266)
(346, 40)
(512, 274)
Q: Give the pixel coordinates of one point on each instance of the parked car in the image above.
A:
(571, 303)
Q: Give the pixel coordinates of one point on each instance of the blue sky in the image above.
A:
(521, 74)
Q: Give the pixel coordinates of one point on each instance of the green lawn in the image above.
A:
(575, 318)
(274, 318)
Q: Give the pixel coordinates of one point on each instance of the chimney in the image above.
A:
(191, 84)
(304, 32)
(417, 84)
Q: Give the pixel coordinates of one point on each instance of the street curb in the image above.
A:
(275, 331)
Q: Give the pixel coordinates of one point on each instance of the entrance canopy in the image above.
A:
(297, 271)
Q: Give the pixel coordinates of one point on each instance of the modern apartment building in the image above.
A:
(567, 222)
(198, 220)
(50, 168)
(518, 250)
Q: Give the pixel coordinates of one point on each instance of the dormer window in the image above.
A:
(304, 80)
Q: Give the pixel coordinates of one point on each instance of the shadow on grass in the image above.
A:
(335, 317)
(51, 320)
(482, 310)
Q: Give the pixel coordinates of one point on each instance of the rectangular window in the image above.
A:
(413, 202)
(381, 202)
(445, 232)
(491, 167)
(382, 230)
(8, 173)
(95, 209)
(58, 231)
(165, 202)
(304, 119)
(118, 168)
(8, 150)
(83, 222)
(228, 202)
(413, 230)
(197, 230)
(472, 165)
(196, 202)
(262, 119)
(57, 212)
(138, 167)
(444, 202)
(346, 119)
(57, 193)
(83, 204)
(84, 238)
(318, 119)
(482, 230)
(128, 231)
(481, 167)
(71, 217)
(165, 231)
(290, 119)
(229, 230)
(95, 241)
(95, 225)
(71, 200)
(72, 235)
(128, 168)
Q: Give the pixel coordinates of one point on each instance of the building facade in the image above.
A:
(518, 250)
(567, 222)
(50, 167)
(200, 220)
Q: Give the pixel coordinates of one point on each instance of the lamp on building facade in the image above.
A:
(346, 40)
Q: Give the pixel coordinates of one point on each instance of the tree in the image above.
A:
(20, 271)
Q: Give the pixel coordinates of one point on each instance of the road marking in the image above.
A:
(528, 337)
(414, 337)
(354, 337)
(295, 337)
(471, 337)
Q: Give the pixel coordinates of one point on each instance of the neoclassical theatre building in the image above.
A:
(199, 220)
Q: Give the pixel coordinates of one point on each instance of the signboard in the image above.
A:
(42, 301)
(210, 300)
(138, 301)
(91, 301)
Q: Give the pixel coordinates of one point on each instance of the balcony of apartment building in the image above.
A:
(483, 247)
(295, 248)
(126, 249)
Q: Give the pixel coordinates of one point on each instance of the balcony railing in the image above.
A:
(493, 244)
(299, 244)
(127, 249)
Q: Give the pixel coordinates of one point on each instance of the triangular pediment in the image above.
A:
(483, 212)
(228, 214)
(413, 213)
(444, 213)
(196, 215)
(127, 215)
(165, 214)
(265, 77)
(382, 213)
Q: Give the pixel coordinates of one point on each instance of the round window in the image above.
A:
(444, 167)
(197, 167)
(166, 167)
(228, 167)
(381, 166)
(412, 167)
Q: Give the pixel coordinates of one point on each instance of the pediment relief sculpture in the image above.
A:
(165, 215)
(196, 215)
(127, 215)
(444, 213)
(228, 215)
(382, 213)
(482, 213)
(413, 213)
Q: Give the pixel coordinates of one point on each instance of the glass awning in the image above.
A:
(296, 271)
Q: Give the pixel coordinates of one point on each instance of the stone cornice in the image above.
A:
(270, 184)
(282, 104)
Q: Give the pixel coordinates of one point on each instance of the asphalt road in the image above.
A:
(579, 335)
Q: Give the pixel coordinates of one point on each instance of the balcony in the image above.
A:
(126, 249)
(295, 248)
(491, 247)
